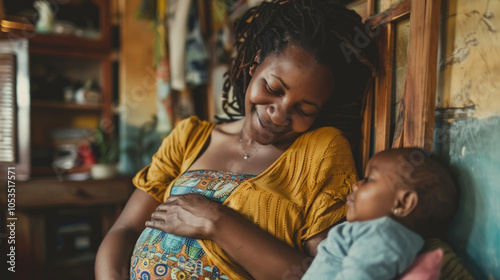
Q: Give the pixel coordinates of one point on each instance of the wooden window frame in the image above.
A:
(420, 90)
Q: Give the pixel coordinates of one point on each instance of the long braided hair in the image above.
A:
(328, 31)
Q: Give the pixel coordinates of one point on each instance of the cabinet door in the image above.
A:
(14, 107)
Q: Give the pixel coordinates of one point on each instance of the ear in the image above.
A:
(406, 202)
(255, 63)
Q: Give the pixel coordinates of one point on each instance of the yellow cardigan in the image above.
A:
(297, 197)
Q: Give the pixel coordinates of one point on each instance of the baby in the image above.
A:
(406, 196)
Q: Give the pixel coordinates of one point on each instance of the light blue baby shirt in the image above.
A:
(375, 249)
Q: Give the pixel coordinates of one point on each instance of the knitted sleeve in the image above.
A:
(166, 164)
(334, 177)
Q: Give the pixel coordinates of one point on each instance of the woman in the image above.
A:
(253, 198)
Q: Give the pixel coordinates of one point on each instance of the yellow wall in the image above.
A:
(137, 75)
(470, 57)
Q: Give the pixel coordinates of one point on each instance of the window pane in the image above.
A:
(383, 5)
(401, 39)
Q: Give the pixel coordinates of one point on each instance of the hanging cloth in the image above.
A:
(177, 18)
(163, 96)
(196, 52)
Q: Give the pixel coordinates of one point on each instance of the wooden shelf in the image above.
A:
(65, 105)
(37, 49)
(50, 192)
(71, 41)
(16, 28)
(49, 171)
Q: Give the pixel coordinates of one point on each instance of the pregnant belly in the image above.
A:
(166, 256)
(159, 254)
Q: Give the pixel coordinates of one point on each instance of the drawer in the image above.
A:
(41, 193)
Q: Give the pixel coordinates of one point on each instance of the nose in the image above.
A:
(279, 114)
(355, 186)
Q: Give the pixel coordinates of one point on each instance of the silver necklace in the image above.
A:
(246, 155)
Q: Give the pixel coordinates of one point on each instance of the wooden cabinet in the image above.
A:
(99, 40)
(52, 115)
(59, 225)
(70, 77)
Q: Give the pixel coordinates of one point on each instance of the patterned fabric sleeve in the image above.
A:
(335, 176)
(166, 165)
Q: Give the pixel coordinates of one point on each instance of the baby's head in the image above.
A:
(410, 186)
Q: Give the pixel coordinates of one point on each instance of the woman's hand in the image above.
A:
(190, 215)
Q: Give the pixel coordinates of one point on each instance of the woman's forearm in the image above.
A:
(113, 257)
(261, 254)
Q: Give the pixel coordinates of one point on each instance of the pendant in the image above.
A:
(247, 156)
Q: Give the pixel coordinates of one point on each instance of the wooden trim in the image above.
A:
(384, 88)
(366, 128)
(106, 95)
(422, 74)
(205, 15)
(370, 7)
(393, 14)
(76, 53)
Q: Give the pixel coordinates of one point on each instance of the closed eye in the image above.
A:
(300, 111)
(272, 90)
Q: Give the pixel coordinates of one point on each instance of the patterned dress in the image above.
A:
(160, 255)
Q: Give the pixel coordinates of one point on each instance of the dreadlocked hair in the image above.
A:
(328, 31)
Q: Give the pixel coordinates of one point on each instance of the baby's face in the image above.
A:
(375, 195)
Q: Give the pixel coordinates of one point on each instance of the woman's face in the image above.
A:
(285, 96)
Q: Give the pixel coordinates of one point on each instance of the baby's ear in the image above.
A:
(407, 200)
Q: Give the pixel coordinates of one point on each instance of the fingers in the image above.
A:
(159, 220)
(157, 224)
(156, 216)
(171, 201)
(162, 225)
(188, 215)
(163, 207)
